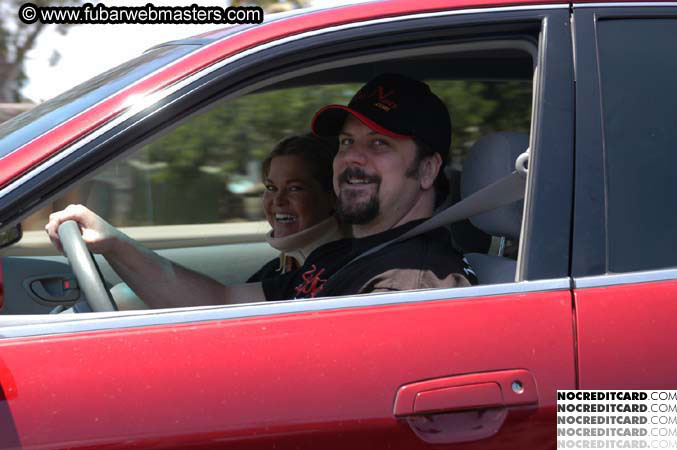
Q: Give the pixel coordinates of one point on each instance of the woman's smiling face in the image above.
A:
(294, 200)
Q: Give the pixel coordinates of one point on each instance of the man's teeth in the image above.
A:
(357, 181)
(285, 218)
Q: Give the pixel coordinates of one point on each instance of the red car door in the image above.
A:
(434, 367)
(624, 231)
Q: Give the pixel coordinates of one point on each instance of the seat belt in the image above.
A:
(499, 193)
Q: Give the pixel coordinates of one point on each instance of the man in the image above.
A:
(392, 140)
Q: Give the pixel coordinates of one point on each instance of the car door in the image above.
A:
(624, 260)
(453, 368)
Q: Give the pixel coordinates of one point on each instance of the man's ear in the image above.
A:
(428, 169)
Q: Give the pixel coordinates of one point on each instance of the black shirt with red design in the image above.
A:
(426, 261)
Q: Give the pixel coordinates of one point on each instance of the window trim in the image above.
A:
(624, 5)
(67, 323)
(620, 279)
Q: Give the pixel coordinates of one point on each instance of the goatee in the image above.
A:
(353, 212)
(351, 208)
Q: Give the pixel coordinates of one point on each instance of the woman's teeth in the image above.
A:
(285, 218)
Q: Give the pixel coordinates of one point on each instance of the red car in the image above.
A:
(577, 289)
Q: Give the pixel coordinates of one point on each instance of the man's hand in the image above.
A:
(157, 281)
(99, 235)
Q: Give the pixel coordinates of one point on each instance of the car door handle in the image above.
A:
(57, 288)
(466, 407)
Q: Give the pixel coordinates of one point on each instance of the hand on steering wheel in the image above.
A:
(85, 268)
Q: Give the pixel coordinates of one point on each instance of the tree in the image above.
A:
(246, 129)
(274, 6)
(16, 40)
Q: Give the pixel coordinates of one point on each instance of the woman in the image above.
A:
(298, 201)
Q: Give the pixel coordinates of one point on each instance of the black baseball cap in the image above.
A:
(393, 105)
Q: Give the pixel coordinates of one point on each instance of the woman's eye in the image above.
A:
(270, 188)
(345, 142)
(381, 143)
(295, 188)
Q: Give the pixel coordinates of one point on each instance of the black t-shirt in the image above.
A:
(425, 261)
(272, 269)
(269, 270)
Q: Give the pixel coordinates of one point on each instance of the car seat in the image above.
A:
(490, 159)
(465, 236)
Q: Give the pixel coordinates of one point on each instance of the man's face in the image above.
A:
(373, 177)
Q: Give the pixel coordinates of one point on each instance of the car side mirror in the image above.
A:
(10, 235)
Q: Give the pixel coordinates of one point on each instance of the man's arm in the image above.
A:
(159, 282)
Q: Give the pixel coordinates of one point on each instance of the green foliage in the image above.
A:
(199, 159)
(246, 129)
(480, 108)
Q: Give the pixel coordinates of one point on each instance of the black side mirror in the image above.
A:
(10, 235)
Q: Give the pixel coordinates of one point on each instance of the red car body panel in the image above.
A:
(626, 336)
(307, 380)
(318, 379)
(45, 146)
(2, 287)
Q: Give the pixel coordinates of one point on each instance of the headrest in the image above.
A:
(490, 159)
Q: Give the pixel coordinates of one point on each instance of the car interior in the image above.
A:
(193, 191)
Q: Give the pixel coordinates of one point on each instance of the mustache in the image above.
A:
(356, 172)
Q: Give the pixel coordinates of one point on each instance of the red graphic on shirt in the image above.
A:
(312, 283)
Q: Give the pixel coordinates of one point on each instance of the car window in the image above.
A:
(637, 67)
(208, 170)
(193, 192)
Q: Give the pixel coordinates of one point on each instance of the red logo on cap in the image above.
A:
(383, 101)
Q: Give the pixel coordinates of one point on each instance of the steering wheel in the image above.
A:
(84, 267)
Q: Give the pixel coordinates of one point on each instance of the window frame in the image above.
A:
(545, 266)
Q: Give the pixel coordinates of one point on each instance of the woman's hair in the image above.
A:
(318, 153)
